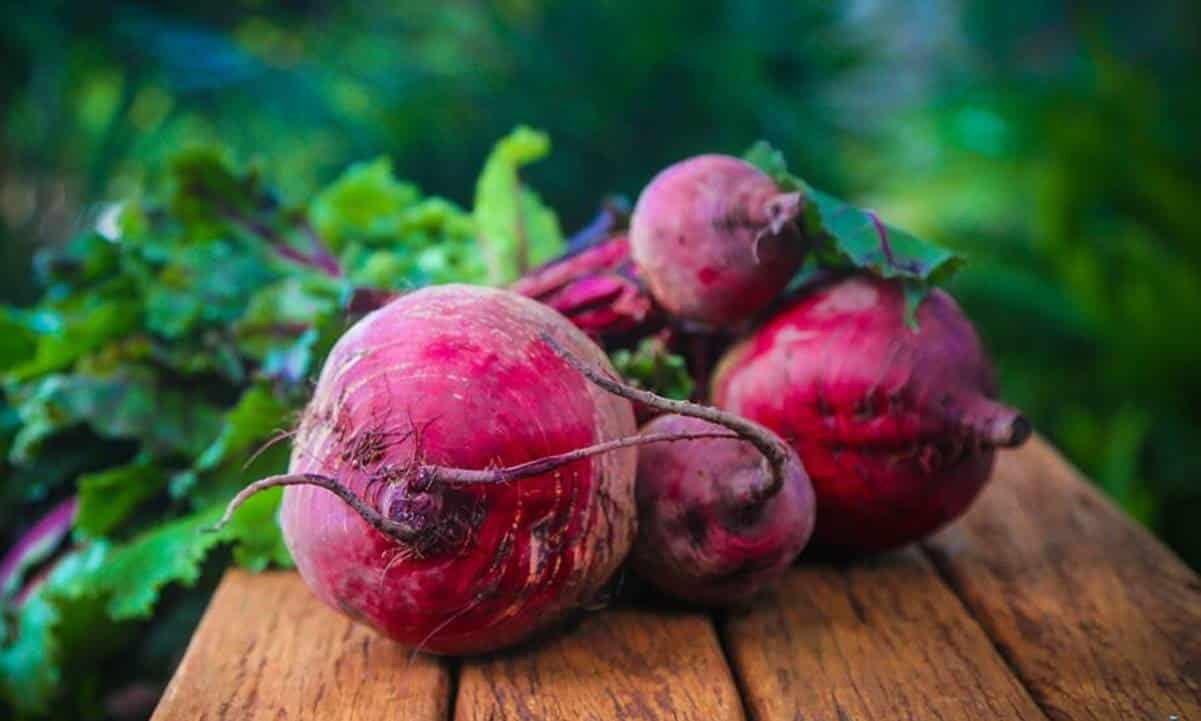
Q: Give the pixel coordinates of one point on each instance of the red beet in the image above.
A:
(382, 518)
(596, 288)
(896, 427)
(715, 239)
(722, 514)
(698, 536)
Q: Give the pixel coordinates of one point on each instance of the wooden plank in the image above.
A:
(622, 664)
(268, 649)
(869, 641)
(1096, 617)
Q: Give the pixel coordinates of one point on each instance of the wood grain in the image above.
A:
(268, 649)
(869, 641)
(622, 664)
(1096, 617)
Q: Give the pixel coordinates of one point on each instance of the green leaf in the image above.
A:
(87, 258)
(653, 367)
(515, 229)
(131, 404)
(78, 334)
(207, 283)
(17, 342)
(109, 497)
(766, 157)
(134, 574)
(59, 633)
(867, 243)
(365, 198)
(257, 416)
(850, 238)
(207, 190)
(81, 612)
(260, 543)
(279, 313)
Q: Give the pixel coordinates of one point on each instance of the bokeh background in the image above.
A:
(1055, 144)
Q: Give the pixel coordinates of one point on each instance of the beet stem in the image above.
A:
(774, 451)
(407, 534)
(539, 466)
(386, 526)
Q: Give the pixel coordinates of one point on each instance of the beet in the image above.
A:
(715, 239)
(596, 288)
(698, 537)
(722, 514)
(395, 511)
(897, 427)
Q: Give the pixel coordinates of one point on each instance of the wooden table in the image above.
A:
(1044, 602)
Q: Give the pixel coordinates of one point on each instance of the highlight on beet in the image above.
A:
(715, 239)
(897, 426)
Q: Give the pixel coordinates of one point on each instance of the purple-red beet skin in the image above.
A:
(715, 239)
(461, 377)
(896, 427)
(697, 538)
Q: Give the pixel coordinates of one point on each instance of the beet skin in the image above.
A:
(698, 538)
(896, 427)
(460, 377)
(715, 239)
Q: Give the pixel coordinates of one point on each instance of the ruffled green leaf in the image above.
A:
(516, 230)
(18, 342)
(107, 498)
(851, 238)
(258, 415)
(653, 367)
(131, 404)
(361, 202)
(74, 335)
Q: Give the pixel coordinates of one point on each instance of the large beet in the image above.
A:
(896, 427)
(456, 377)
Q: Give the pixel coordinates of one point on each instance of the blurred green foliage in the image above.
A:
(167, 354)
(1060, 154)
(1054, 146)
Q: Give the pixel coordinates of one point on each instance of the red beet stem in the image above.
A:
(775, 452)
(37, 543)
(406, 533)
(400, 531)
(539, 466)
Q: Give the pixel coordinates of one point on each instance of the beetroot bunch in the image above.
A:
(469, 472)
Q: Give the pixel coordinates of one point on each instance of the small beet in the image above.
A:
(725, 513)
(698, 537)
(715, 239)
(896, 427)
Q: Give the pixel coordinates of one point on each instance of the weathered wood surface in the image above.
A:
(877, 640)
(268, 649)
(1044, 603)
(1097, 618)
(624, 664)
